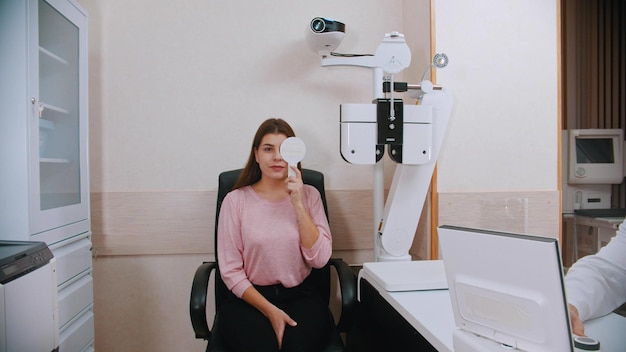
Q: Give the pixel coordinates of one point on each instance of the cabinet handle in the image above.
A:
(40, 107)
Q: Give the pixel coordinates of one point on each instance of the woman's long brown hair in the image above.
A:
(251, 173)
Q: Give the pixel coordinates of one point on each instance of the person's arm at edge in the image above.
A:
(594, 283)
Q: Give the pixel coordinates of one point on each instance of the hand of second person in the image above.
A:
(577, 325)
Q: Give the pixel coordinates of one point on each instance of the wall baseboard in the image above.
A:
(148, 223)
(144, 223)
(536, 212)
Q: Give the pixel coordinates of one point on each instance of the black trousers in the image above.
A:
(245, 328)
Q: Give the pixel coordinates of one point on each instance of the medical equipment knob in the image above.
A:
(440, 60)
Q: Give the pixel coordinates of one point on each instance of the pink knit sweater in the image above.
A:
(258, 241)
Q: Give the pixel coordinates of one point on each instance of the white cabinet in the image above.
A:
(44, 178)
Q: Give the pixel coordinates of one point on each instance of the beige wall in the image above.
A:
(499, 166)
(142, 303)
(503, 71)
(177, 90)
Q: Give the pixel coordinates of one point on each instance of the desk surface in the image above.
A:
(609, 330)
(602, 213)
(595, 221)
(430, 313)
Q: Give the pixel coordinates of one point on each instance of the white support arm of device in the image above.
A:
(410, 186)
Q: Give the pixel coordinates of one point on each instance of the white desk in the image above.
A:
(429, 312)
(609, 330)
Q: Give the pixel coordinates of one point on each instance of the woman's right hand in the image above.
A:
(279, 319)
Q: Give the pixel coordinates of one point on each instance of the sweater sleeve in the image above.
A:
(318, 255)
(596, 284)
(230, 247)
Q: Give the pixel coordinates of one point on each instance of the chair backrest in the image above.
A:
(226, 182)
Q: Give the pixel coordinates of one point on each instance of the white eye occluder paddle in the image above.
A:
(292, 150)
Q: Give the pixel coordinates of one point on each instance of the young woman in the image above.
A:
(272, 230)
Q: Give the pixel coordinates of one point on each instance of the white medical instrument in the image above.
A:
(412, 133)
(502, 300)
(292, 150)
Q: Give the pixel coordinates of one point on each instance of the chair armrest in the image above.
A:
(197, 302)
(347, 285)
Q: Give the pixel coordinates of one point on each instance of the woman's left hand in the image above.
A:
(309, 233)
(295, 186)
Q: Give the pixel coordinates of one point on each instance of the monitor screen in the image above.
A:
(594, 150)
(505, 289)
(595, 156)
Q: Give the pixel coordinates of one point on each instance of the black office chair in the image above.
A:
(321, 277)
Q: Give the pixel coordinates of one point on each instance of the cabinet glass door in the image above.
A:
(58, 105)
(58, 108)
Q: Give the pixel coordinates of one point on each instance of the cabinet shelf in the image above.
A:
(54, 161)
(49, 54)
(55, 108)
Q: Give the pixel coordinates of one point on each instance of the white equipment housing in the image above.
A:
(416, 148)
(595, 156)
(585, 184)
(501, 299)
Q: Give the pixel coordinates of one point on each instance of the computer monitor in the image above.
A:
(596, 156)
(506, 291)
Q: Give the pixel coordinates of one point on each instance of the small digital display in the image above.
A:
(8, 270)
(594, 151)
